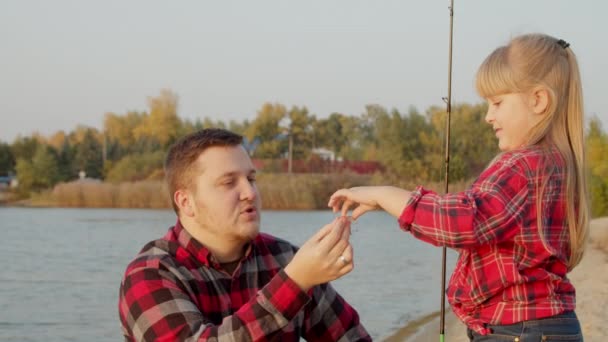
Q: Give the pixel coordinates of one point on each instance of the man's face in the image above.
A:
(225, 195)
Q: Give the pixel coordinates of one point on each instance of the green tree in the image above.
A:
(597, 149)
(329, 132)
(239, 127)
(266, 128)
(46, 167)
(472, 141)
(7, 160)
(88, 155)
(387, 131)
(210, 123)
(136, 167)
(599, 196)
(301, 129)
(65, 162)
(25, 175)
(347, 136)
(40, 173)
(398, 144)
(24, 147)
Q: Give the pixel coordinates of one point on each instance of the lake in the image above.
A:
(62, 268)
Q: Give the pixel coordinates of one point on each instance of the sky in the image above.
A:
(67, 63)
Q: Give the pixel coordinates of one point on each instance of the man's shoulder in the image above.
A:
(155, 254)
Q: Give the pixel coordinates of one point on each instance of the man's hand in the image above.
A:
(326, 256)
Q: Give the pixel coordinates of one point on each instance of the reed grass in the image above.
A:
(87, 194)
(279, 191)
(309, 191)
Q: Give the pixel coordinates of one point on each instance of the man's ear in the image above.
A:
(184, 202)
(540, 100)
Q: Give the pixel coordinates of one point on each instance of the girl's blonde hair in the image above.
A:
(539, 60)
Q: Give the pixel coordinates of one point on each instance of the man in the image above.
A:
(213, 276)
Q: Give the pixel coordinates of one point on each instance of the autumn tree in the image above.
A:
(119, 136)
(162, 123)
(266, 128)
(597, 152)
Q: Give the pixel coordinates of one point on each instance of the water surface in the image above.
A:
(62, 268)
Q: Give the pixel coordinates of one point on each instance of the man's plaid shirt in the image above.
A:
(505, 273)
(176, 290)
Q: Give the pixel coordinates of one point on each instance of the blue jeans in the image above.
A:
(564, 327)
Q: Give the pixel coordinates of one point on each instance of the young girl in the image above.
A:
(522, 225)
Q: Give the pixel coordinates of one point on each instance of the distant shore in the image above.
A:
(590, 279)
(279, 191)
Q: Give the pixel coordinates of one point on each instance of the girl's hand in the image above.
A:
(368, 198)
(361, 199)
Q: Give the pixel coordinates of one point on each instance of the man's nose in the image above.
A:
(248, 191)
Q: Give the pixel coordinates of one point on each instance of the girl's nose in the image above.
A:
(489, 117)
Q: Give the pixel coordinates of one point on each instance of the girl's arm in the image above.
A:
(366, 198)
(491, 210)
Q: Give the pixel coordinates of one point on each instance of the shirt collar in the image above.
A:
(197, 249)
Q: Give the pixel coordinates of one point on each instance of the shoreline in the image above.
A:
(413, 328)
(427, 329)
(589, 278)
(25, 204)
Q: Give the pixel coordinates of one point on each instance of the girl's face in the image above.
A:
(512, 117)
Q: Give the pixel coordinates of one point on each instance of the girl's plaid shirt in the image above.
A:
(505, 273)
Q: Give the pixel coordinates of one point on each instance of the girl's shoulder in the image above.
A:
(527, 160)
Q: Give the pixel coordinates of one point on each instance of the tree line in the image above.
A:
(410, 145)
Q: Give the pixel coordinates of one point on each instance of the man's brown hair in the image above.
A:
(183, 154)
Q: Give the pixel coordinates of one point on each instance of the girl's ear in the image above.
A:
(184, 202)
(540, 100)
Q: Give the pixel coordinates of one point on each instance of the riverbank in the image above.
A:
(279, 191)
(589, 277)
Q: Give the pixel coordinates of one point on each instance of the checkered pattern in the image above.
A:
(176, 290)
(505, 273)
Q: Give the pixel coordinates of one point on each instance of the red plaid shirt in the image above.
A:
(505, 273)
(176, 290)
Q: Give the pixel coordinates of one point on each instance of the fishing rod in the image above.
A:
(448, 102)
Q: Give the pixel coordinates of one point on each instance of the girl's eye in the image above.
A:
(252, 179)
(496, 103)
